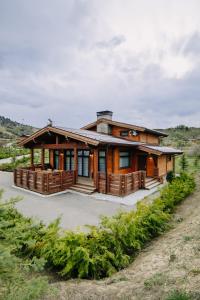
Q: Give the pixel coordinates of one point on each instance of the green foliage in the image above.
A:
(179, 295)
(12, 128)
(6, 152)
(183, 163)
(17, 280)
(156, 280)
(170, 176)
(180, 136)
(102, 251)
(22, 162)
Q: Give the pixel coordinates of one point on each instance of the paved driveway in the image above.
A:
(74, 209)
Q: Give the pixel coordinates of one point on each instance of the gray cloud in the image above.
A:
(111, 43)
(51, 65)
(192, 45)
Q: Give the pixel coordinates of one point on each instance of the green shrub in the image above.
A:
(107, 248)
(170, 176)
(179, 295)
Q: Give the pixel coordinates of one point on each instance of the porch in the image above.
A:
(53, 181)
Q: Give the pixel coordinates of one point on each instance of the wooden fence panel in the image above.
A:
(43, 182)
(121, 184)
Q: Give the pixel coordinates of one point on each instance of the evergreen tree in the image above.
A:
(183, 163)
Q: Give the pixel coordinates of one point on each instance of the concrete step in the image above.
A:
(150, 182)
(149, 179)
(152, 185)
(85, 185)
(83, 189)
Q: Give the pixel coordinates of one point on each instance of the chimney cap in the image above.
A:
(104, 112)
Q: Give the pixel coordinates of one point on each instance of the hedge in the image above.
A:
(106, 248)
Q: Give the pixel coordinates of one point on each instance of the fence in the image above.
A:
(121, 184)
(44, 182)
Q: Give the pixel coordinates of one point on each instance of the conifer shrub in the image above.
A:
(106, 248)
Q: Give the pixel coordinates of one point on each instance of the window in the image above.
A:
(56, 159)
(69, 160)
(169, 157)
(102, 160)
(125, 159)
(124, 133)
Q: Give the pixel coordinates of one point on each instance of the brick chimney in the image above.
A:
(102, 125)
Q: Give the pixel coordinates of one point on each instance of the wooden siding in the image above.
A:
(164, 165)
(141, 137)
(120, 184)
(170, 164)
(43, 182)
(116, 158)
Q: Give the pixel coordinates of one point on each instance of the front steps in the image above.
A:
(83, 188)
(151, 182)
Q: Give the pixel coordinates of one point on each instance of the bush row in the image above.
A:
(106, 248)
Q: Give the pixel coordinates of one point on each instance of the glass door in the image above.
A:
(56, 159)
(83, 163)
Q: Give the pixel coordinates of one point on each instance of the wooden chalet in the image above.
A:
(105, 156)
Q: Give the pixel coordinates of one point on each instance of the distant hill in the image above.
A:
(11, 130)
(181, 136)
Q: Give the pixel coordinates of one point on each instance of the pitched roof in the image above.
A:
(124, 125)
(86, 136)
(159, 149)
(95, 138)
(99, 137)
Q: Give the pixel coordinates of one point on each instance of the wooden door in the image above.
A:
(150, 166)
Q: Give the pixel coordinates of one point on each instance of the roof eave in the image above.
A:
(61, 132)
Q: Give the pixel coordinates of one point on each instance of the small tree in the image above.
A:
(183, 163)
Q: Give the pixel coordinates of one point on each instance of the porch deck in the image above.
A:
(48, 181)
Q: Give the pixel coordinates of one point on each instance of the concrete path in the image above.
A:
(75, 209)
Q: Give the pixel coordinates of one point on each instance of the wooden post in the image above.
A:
(174, 164)
(61, 180)
(43, 182)
(32, 157)
(42, 158)
(27, 179)
(108, 183)
(95, 168)
(35, 180)
(47, 183)
(75, 164)
(15, 176)
(21, 177)
(133, 182)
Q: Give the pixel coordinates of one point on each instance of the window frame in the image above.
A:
(122, 133)
(125, 156)
(71, 158)
(56, 153)
(104, 157)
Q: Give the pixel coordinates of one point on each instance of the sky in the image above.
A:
(68, 59)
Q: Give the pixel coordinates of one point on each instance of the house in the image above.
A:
(105, 156)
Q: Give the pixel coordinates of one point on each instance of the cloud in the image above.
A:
(112, 43)
(68, 59)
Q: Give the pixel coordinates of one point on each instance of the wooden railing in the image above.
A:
(156, 172)
(44, 182)
(121, 184)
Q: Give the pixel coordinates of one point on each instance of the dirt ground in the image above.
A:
(170, 262)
